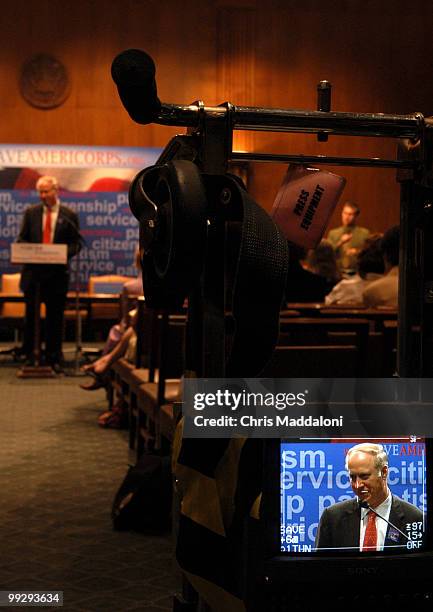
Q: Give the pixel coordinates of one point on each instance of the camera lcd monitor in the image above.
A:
(329, 488)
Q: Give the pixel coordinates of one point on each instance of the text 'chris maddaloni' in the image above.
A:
(248, 420)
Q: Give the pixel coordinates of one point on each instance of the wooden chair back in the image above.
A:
(10, 283)
(108, 283)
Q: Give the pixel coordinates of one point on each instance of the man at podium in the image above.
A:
(48, 222)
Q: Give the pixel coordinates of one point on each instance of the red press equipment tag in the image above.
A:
(305, 203)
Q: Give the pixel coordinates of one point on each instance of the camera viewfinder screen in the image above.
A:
(353, 496)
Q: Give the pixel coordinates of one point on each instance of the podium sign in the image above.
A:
(27, 252)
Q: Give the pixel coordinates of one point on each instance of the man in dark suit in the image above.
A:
(48, 222)
(351, 523)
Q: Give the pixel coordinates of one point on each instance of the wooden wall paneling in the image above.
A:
(378, 55)
(236, 63)
(186, 57)
(319, 43)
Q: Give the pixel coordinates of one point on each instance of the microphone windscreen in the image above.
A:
(362, 503)
(133, 71)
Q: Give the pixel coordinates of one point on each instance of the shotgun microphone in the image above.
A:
(133, 71)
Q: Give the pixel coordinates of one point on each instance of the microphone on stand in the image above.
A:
(364, 504)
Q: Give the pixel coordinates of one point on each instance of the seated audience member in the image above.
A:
(384, 291)
(125, 346)
(303, 285)
(132, 288)
(348, 239)
(370, 267)
(116, 417)
(322, 261)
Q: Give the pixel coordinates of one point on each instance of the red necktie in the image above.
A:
(370, 536)
(47, 228)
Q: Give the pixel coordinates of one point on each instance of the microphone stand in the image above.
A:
(78, 320)
(366, 505)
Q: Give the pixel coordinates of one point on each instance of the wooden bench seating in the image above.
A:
(153, 381)
(164, 389)
(127, 377)
(313, 361)
(319, 333)
(168, 418)
(314, 346)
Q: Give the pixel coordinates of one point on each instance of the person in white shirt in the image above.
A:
(370, 267)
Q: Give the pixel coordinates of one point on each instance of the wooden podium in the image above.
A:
(41, 254)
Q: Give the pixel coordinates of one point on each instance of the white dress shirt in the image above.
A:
(383, 292)
(350, 289)
(384, 509)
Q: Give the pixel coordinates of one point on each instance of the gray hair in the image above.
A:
(375, 450)
(47, 179)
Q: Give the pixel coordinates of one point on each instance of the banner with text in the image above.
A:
(94, 182)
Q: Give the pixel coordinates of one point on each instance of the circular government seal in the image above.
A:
(44, 82)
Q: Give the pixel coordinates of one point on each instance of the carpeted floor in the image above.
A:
(58, 475)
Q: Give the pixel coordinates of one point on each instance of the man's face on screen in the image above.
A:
(368, 483)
